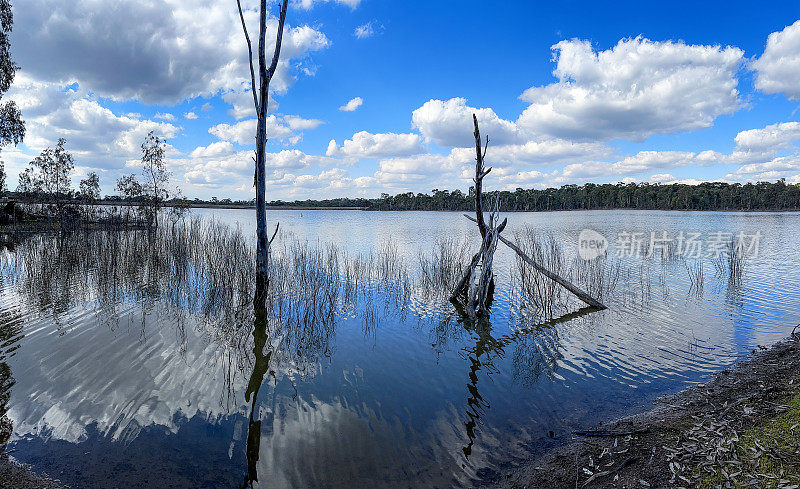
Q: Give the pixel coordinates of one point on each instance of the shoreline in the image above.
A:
(670, 444)
(14, 475)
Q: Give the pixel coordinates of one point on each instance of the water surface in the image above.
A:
(124, 375)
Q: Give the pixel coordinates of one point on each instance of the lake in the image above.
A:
(148, 372)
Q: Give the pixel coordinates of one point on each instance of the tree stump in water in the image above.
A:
(474, 289)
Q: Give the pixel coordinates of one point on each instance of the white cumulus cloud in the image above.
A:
(636, 89)
(778, 69)
(366, 145)
(352, 105)
(449, 124)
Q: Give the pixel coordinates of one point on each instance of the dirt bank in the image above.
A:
(15, 476)
(741, 429)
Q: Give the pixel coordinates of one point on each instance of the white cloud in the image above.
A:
(165, 116)
(352, 105)
(190, 115)
(367, 145)
(364, 31)
(636, 89)
(780, 167)
(414, 169)
(771, 138)
(449, 124)
(524, 179)
(661, 178)
(641, 162)
(169, 54)
(241, 133)
(220, 148)
(217, 167)
(242, 104)
(309, 4)
(287, 127)
(542, 153)
(297, 123)
(778, 69)
(93, 132)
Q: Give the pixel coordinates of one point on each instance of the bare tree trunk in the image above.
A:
(260, 100)
(479, 174)
(477, 282)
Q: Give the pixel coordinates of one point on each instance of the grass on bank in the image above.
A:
(766, 455)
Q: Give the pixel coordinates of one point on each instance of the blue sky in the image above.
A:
(568, 92)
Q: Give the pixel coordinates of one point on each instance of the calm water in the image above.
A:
(124, 380)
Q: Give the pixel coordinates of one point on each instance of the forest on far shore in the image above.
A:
(761, 196)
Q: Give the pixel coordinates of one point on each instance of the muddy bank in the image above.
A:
(738, 430)
(15, 476)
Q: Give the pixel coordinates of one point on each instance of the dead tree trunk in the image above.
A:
(260, 100)
(476, 283)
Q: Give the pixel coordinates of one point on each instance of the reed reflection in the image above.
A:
(10, 337)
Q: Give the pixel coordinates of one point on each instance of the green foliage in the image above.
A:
(52, 170)
(12, 127)
(154, 170)
(89, 188)
(154, 190)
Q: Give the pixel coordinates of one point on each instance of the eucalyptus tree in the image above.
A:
(12, 127)
(156, 176)
(260, 100)
(48, 177)
(89, 188)
(154, 190)
(89, 192)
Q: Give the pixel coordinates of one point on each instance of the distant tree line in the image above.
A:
(705, 196)
(761, 196)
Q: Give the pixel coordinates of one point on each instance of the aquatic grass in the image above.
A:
(730, 262)
(696, 276)
(535, 292)
(441, 268)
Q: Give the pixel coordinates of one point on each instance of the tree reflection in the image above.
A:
(10, 337)
(536, 352)
(260, 369)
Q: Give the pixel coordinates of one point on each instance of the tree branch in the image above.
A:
(249, 56)
(279, 40)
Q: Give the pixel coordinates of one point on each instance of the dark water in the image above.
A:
(151, 371)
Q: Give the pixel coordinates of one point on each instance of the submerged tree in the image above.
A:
(89, 192)
(156, 177)
(154, 190)
(89, 188)
(26, 188)
(260, 100)
(48, 177)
